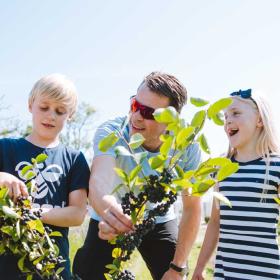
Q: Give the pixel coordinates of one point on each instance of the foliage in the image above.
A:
(78, 128)
(162, 188)
(23, 234)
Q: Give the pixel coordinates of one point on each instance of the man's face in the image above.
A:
(150, 129)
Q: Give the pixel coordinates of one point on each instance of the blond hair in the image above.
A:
(57, 87)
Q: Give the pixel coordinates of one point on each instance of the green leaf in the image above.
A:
(30, 175)
(218, 106)
(198, 102)
(203, 144)
(36, 225)
(29, 277)
(139, 157)
(121, 173)
(218, 161)
(21, 265)
(108, 142)
(3, 192)
(115, 254)
(10, 212)
(108, 276)
(183, 183)
(136, 140)
(122, 151)
(183, 135)
(198, 120)
(157, 161)
(179, 171)
(222, 198)
(55, 233)
(117, 188)
(218, 119)
(277, 200)
(134, 172)
(41, 158)
(227, 170)
(166, 146)
(166, 115)
(8, 230)
(59, 270)
(25, 169)
(205, 170)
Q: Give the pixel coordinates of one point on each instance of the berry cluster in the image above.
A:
(152, 191)
(124, 275)
(23, 235)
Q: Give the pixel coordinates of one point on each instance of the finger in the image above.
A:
(23, 189)
(10, 189)
(117, 211)
(106, 236)
(115, 223)
(106, 228)
(16, 190)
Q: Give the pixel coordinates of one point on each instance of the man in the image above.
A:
(164, 249)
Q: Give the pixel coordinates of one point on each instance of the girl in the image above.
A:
(247, 232)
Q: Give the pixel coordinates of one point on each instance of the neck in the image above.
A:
(43, 143)
(152, 147)
(247, 154)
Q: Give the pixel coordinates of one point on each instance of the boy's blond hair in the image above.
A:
(56, 87)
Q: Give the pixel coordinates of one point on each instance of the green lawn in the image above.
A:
(136, 264)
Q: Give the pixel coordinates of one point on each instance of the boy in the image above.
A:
(62, 180)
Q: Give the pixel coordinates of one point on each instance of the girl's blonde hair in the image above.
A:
(267, 142)
(58, 88)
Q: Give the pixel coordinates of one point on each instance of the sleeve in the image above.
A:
(79, 174)
(193, 157)
(102, 131)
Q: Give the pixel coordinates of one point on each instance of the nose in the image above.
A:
(52, 114)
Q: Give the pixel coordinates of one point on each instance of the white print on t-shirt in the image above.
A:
(49, 174)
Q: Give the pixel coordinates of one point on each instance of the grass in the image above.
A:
(136, 264)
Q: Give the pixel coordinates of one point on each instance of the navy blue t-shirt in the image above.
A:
(65, 170)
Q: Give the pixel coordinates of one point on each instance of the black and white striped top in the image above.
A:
(248, 247)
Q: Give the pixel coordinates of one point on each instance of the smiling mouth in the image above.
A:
(136, 128)
(48, 125)
(232, 132)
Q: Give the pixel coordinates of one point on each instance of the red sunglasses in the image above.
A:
(145, 111)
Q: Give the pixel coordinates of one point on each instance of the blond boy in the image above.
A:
(62, 179)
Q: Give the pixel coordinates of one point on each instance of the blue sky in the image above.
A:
(107, 47)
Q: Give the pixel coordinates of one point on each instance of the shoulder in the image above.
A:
(113, 125)
(70, 153)
(5, 142)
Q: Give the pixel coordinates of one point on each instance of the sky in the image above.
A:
(107, 47)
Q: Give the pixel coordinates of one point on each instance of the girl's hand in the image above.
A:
(198, 274)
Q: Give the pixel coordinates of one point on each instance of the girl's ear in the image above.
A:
(30, 107)
(259, 122)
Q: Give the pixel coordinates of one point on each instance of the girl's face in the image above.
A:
(242, 125)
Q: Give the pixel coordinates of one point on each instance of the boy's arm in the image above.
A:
(16, 187)
(101, 185)
(188, 229)
(72, 215)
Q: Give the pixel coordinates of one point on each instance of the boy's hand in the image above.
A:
(15, 186)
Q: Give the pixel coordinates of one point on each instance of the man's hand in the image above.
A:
(171, 274)
(15, 186)
(114, 220)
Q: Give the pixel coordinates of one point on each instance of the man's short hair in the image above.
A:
(58, 88)
(169, 86)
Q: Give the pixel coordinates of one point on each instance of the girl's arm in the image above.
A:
(72, 215)
(209, 243)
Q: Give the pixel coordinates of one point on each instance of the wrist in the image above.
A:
(181, 270)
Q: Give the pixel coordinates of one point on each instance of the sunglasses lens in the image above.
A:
(145, 111)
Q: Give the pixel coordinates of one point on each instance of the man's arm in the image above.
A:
(188, 229)
(101, 185)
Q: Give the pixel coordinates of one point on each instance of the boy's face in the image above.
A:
(48, 118)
